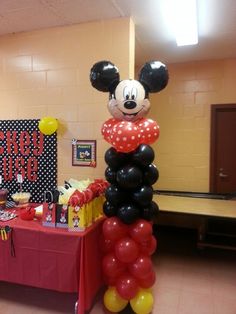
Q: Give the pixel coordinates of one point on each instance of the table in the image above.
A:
(196, 206)
(208, 210)
(54, 258)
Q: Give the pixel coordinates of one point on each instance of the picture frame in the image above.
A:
(84, 153)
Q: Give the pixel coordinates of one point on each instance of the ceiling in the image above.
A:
(154, 40)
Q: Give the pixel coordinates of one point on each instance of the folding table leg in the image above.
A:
(76, 307)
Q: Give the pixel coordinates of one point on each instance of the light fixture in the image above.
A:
(182, 15)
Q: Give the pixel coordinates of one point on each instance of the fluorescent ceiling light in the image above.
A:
(183, 18)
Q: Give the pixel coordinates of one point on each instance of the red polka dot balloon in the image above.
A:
(125, 136)
(107, 127)
(149, 131)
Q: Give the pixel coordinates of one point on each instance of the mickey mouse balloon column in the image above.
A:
(127, 239)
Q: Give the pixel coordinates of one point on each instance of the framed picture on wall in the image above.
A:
(84, 153)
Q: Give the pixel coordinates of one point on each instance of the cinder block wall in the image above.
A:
(46, 72)
(183, 113)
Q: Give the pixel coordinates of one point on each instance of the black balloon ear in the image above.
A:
(154, 76)
(104, 76)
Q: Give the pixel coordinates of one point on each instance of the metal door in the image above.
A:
(223, 149)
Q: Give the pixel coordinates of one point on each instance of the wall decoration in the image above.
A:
(25, 150)
(84, 153)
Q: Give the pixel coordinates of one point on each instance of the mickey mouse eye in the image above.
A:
(126, 93)
(134, 93)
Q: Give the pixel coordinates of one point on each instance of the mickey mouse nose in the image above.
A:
(130, 104)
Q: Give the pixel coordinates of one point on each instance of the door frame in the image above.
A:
(215, 108)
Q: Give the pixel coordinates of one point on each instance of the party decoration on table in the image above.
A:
(27, 213)
(85, 205)
(26, 151)
(127, 240)
(6, 215)
(21, 199)
(75, 206)
(48, 125)
(49, 209)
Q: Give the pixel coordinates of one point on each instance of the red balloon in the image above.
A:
(148, 281)
(110, 281)
(141, 267)
(141, 230)
(148, 247)
(107, 127)
(126, 250)
(125, 136)
(106, 245)
(127, 286)
(114, 229)
(149, 131)
(111, 266)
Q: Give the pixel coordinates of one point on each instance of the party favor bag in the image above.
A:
(61, 216)
(49, 210)
(77, 218)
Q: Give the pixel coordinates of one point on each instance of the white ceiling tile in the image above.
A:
(217, 24)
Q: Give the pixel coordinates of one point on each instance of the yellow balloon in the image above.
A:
(48, 125)
(142, 303)
(112, 300)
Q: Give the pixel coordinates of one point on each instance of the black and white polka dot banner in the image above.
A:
(25, 150)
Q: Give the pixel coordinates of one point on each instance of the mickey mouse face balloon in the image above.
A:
(128, 99)
(129, 104)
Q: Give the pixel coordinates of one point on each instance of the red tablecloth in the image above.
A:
(53, 258)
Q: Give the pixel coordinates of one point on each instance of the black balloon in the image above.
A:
(115, 159)
(114, 195)
(129, 177)
(110, 175)
(128, 213)
(150, 175)
(104, 76)
(154, 76)
(143, 155)
(155, 208)
(150, 211)
(143, 195)
(109, 209)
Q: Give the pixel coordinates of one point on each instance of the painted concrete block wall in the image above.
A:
(183, 113)
(46, 73)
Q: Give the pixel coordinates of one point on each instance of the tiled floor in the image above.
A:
(188, 282)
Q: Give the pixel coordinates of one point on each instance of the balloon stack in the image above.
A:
(127, 240)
